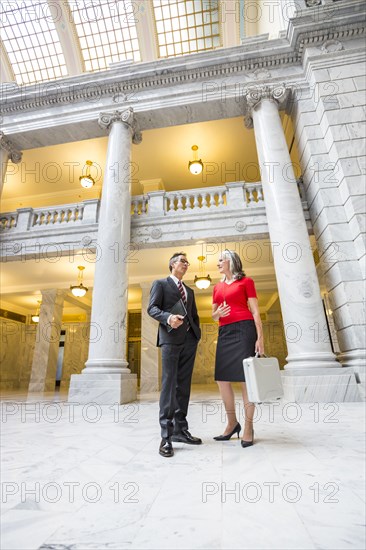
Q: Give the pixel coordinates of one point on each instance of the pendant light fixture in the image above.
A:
(35, 318)
(79, 290)
(195, 166)
(87, 181)
(202, 281)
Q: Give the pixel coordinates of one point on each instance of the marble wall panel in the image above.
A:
(275, 341)
(204, 367)
(16, 354)
(44, 365)
(150, 355)
(338, 113)
(75, 351)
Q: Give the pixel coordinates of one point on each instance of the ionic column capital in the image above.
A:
(14, 154)
(106, 119)
(254, 95)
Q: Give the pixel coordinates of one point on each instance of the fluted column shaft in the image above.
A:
(108, 331)
(7, 152)
(298, 286)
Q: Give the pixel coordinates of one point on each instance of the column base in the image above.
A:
(107, 366)
(310, 361)
(321, 386)
(103, 388)
(355, 359)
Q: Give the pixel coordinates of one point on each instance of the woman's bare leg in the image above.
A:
(227, 395)
(249, 409)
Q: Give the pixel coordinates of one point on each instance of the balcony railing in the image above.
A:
(61, 214)
(231, 211)
(232, 195)
(236, 195)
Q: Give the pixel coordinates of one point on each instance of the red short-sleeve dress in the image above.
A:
(237, 332)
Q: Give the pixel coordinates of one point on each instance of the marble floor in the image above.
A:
(87, 477)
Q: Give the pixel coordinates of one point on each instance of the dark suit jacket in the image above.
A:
(164, 295)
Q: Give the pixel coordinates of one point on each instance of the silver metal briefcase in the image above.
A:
(263, 379)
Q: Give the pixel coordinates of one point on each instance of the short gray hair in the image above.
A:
(173, 259)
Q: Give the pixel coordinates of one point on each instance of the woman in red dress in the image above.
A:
(235, 306)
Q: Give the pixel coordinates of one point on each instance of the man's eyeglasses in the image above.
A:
(184, 262)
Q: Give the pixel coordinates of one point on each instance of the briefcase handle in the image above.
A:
(257, 355)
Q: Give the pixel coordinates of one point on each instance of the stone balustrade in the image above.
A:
(173, 203)
(30, 219)
(232, 211)
(194, 199)
(66, 213)
(198, 200)
(139, 205)
(8, 220)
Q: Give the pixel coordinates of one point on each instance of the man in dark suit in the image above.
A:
(178, 337)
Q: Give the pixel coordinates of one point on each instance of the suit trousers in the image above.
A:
(177, 368)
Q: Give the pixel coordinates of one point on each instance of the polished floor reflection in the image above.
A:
(86, 477)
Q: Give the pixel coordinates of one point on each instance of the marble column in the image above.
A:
(309, 349)
(150, 354)
(106, 377)
(44, 365)
(8, 151)
(298, 286)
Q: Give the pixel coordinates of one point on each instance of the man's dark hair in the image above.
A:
(173, 259)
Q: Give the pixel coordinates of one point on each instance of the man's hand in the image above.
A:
(176, 321)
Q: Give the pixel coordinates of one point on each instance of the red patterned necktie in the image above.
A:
(182, 293)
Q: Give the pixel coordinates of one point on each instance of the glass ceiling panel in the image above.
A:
(31, 41)
(186, 26)
(106, 30)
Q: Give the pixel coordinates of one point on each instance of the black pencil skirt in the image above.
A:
(236, 342)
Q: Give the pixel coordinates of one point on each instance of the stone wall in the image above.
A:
(330, 136)
(16, 354)
(274, 340)
(75, 351)
(204, 367)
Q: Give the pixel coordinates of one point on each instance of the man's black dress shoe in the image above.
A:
(185, 437)
(166, 448)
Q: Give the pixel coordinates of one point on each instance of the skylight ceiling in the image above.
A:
(31, 41)
(96, 33)
(186, 26)
(107, 32)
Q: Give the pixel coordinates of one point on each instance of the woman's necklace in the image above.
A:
(224, 289)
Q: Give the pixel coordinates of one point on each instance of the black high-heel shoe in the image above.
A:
(248, 443)
(228, 436)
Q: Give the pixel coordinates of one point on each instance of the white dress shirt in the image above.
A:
(175, 279)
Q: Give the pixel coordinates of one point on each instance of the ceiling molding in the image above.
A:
(78, 303)
(271, 301)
